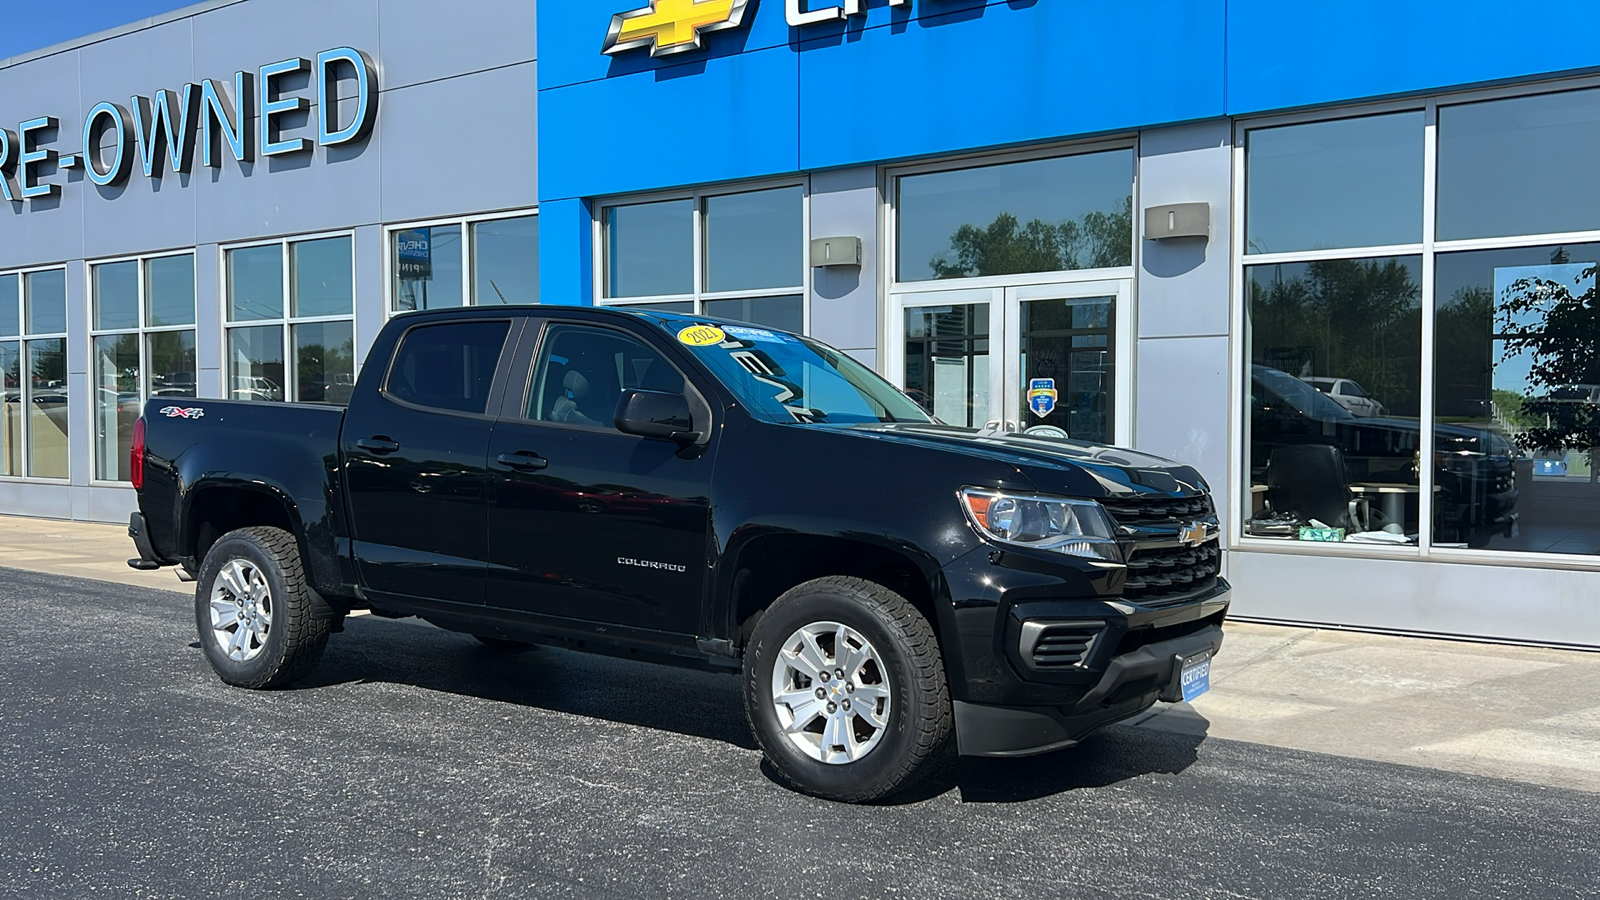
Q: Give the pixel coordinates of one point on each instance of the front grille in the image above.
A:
(1065, 646)
(1170, 574)
(1156, 509)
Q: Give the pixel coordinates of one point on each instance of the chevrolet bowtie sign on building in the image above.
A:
(673, 26)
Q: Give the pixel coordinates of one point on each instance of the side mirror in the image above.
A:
(656, 414)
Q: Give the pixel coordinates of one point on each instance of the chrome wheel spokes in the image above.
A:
(831, 692)
(241, 610)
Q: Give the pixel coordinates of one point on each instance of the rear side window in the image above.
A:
(449, 366)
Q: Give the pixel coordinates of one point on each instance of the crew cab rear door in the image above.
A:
(587, 523)
(414, 453)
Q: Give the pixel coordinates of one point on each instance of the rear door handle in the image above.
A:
(526, 460)
(378, 446)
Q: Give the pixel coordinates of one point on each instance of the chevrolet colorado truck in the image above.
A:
(700, 492)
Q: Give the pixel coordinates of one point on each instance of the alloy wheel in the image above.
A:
(241, 610)
(831, 692)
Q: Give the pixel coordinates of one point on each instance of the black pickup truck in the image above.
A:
(701, 492)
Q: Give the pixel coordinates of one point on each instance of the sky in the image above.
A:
(34, 26)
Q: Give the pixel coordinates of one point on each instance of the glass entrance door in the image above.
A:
(941, 356)
(1054, 358)
(1065, 348)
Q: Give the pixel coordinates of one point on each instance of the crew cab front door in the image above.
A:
(587, 523)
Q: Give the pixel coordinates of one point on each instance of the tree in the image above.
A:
(1559, 331)
(1344, 318)
(1008, 247)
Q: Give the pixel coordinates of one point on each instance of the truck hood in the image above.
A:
(1070, 468)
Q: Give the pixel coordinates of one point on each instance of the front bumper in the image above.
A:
(1132, 683)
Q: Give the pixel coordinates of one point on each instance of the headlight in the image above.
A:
(1074, 527)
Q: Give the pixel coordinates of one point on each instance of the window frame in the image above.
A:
(493, 402)
(1429, 249)
(467, 245)
(23, 338)
(141, 261)
(287, 320)
(699, 296)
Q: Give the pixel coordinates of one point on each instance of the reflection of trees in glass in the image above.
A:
(11, 366)
(122, 361)
(49, 362)
(1559, 333)
(1511, 407)
(1464, 371)
(1008, 247)
(1343, 318)
(172, 369)
(325, 373)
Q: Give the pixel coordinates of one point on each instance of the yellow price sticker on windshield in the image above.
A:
(702, 335)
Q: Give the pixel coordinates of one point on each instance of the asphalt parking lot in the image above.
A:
(416, 763)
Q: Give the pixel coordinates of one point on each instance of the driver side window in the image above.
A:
(583, 370)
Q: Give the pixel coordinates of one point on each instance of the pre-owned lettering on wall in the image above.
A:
(165, 129)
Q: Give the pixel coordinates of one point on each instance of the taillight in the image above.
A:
(136, 455)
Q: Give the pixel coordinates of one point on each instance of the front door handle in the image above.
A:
(378, 446)
(525, 460)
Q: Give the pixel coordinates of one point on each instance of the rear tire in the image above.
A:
(869, 734)
(253, 610)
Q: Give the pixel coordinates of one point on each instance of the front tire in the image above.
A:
(845, 690)
(253, 610)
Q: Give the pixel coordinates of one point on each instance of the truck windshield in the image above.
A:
(783, 378)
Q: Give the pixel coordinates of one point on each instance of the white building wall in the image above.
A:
(845, 309)
(1182, 290)
(456, 134)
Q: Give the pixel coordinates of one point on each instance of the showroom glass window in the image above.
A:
(1057, 214)
(1333, 332)
(1501, 454)
(141, 320)
(1517, 325)
(290, 331)
(34, 421)
(464, 262)
(737, 254)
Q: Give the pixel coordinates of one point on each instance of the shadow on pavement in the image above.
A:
(705, 705)
(666, 698)
(1113, 754)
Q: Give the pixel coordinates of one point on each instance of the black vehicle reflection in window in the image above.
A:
(1371, 462)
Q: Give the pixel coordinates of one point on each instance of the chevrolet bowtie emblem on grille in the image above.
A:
(671, 26)
(1195, 534)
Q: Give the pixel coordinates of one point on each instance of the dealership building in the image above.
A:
(1339, 257)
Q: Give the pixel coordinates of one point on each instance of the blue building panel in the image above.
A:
(938, 76)
(1287, 55)
(566, 233)
(728, 118)
(1008, 73)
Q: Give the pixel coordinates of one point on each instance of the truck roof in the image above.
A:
(667, 321)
